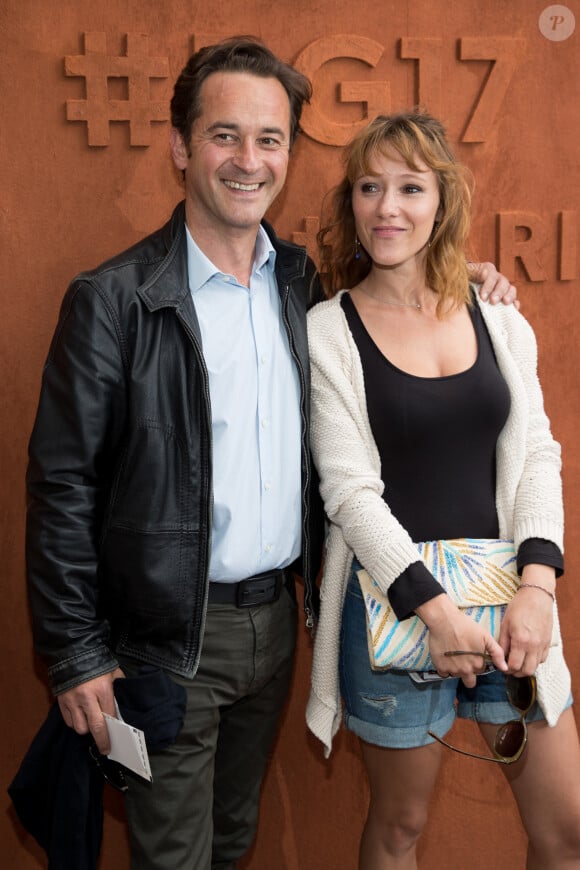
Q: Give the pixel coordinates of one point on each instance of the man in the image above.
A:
(171, 491)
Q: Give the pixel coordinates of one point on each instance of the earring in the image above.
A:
(357, 252)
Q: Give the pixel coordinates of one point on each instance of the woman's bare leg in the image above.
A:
(401, 783)
(546, 786)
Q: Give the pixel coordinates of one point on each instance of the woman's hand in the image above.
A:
(450, 629)
(526, 629)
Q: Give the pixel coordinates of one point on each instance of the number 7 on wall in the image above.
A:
(504, 54)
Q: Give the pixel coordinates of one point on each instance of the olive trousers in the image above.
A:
(201, 810)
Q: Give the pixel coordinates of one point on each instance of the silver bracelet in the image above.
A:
(535, 586)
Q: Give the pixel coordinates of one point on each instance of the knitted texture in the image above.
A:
(528, 491)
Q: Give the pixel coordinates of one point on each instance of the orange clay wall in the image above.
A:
(85, 172)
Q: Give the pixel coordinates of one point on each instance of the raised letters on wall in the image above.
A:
(521, 236)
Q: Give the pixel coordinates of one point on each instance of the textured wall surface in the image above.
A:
(85, 172)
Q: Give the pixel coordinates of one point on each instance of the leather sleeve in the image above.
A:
(77, 433)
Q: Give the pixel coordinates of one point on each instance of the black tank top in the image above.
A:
(436, 439)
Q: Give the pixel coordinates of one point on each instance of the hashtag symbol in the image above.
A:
(307, 239)
(98, 110)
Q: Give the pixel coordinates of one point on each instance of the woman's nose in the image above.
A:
(389, 203)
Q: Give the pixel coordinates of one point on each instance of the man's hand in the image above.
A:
(83, 706)
(494, 286)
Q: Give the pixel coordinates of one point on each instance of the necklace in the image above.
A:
(417, 305)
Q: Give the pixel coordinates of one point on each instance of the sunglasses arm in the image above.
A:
(469, 754)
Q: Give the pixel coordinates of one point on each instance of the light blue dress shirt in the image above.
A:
(255, 409)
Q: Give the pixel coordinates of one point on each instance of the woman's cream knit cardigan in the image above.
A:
(528, 497)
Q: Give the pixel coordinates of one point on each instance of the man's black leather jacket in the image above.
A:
(120, 476)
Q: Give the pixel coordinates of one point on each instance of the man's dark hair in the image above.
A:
(243, 54)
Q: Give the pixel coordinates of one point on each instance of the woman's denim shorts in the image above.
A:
(389, 709)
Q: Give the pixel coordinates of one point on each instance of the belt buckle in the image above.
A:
(252, 593)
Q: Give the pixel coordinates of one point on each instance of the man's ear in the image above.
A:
(179, 150)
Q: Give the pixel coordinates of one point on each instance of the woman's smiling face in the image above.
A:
(395, 208)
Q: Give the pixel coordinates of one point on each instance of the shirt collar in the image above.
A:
(201, 269)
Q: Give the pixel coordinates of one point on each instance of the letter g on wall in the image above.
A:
(376, 95)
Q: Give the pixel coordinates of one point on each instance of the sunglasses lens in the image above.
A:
(510, 739)
(111, 771)
(521, 692)
(114, 775)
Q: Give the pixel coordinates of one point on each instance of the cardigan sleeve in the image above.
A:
(345, 453)
(538, 508)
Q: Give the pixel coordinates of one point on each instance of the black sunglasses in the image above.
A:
(510, 738)
(111, 771)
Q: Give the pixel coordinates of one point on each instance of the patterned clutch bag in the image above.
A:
(478, 574)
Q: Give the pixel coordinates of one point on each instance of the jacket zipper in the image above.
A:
(305, 459)
(208, 500)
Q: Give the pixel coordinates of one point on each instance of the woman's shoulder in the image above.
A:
(327, 312)
(506, 318)
(329, 337)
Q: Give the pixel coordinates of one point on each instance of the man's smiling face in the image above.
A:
(237, 159)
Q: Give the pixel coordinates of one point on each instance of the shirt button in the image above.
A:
(268, 548)
(267, 486)
(265, 423)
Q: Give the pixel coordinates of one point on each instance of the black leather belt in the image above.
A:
(261, 589)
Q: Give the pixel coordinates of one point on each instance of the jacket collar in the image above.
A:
(290, 259)
(168, 286)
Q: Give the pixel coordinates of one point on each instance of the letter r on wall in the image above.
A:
(532, 236)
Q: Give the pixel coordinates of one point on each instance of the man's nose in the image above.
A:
(247, 156)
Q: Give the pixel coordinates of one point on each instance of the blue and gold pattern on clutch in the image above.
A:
(478, 574)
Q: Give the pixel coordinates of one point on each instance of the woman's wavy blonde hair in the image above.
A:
(414, 134)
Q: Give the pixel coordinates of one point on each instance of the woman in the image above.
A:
(428, 424)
